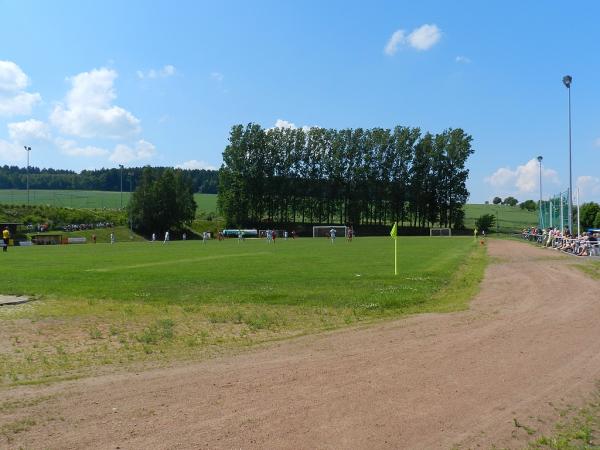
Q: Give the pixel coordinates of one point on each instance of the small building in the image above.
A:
(46, 239)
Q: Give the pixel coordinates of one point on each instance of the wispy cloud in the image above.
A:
(195, 164)
(164, 72)
(462, 60)
(216, 76)
(421, 38)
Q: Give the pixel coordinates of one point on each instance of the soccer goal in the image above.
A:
(440, 232)
(323, 230)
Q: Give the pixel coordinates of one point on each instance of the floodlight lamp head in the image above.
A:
(539, 158)
(567, 79)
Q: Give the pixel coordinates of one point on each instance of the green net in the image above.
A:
(554, 212)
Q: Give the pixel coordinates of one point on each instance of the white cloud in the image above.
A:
(217, 76)
(462, 60)
(280, 123)
(164, 72)
(589, 188)
(424, 37)
(142, 150)
(70, 148)
(13, 98)
(29, 130)
(11, 152)
(523, 180)
(12, 77)
(397, 38)
(89, 111)
(195, 164)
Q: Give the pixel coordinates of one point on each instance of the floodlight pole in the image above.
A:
(121, 167)
(27, 149)
(539, 158)
(567, 80)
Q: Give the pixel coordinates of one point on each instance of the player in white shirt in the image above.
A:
(332, 235)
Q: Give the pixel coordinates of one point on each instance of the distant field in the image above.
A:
(509, 218)
(105, 305)
(87, 199)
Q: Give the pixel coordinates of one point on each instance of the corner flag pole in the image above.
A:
(394, 234)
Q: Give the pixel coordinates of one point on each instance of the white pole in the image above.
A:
(578, 221)
(562, 221)
(551, 209)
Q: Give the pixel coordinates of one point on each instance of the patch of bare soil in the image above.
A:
(530, 343)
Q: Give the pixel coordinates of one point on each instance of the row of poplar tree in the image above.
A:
(351, 176)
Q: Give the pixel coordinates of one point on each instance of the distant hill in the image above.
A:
(207, 203)
(509, 218)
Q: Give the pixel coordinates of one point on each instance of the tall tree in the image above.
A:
(162, 203)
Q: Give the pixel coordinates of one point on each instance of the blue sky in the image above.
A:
(96, 84)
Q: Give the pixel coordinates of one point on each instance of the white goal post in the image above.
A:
(440, 232)
(323, 230)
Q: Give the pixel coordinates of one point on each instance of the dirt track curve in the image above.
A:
(531, 339)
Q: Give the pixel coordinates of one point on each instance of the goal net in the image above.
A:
(324, 230)
(440, 232)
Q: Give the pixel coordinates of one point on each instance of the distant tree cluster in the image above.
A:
(352, 176)
(162, 202)
(12, 177)
(509, 201)
(589, 214)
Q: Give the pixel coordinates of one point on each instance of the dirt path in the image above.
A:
(531, 338)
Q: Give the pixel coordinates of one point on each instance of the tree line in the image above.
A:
(13, 177)
(349, 176)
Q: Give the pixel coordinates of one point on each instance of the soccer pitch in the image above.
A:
(292, 272)
(131, 302)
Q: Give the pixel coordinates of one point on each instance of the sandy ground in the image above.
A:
(530, 341)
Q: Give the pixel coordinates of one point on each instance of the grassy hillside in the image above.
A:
(509, 218)
(87, 199)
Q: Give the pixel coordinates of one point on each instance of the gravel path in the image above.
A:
(530, 340)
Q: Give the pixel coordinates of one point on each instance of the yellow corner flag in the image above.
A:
(394, 234)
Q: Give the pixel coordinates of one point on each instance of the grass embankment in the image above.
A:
(110, 305)
(592, 268)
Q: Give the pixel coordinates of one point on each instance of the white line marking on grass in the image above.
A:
(174, 261)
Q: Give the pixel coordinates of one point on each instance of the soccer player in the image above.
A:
(166, 237)
(204, 237)
(112, 238)
(332, 235)
(349, 234)
(240, 236)
(5, 238)
(153, 237)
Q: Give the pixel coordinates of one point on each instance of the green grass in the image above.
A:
(87, 199)
(509, 218)
(578, 429)
(592, 268)
(105, 305)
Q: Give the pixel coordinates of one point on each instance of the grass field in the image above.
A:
(109, 305)
(509, 218)
(87, 199)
